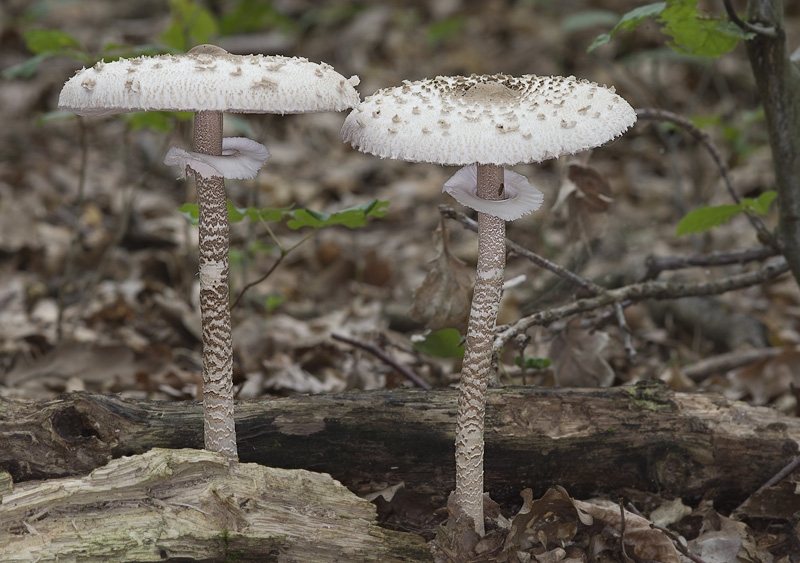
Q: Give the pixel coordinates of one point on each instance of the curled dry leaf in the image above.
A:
(444, 298)
(556, 519)
(550, 521)
(593, 193)
(724, 540)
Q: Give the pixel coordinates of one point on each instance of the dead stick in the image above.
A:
(384, 357)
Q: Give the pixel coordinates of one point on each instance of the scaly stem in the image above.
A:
(477, 362)
(218, 421)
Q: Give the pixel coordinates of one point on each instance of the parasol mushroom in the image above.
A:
(209, 81)
(485, 122)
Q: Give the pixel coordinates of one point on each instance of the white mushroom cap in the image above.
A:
(209, 79)
(489, 119)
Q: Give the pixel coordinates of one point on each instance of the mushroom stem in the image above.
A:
(478, 353)
(218, 422)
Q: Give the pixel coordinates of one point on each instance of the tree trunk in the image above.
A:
(778, 81)
(586, 440)
(179, 505)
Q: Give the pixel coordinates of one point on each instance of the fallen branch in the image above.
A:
(586, 440)
(639, 292)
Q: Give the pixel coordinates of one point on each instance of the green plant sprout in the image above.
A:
(351, 217)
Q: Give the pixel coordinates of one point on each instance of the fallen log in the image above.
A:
(194, 505)
(587, 440)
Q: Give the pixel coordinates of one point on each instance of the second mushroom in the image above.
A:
(209, 81)
(484, 123)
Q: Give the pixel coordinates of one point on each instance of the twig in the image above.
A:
(283, 253)
(386, 358)
(622, 532)
(774, 480)
(678, 544)
(747, 26)
(664, 115)
(639, 292)
(590, 286)
(725, 362)
(657, 264)
(626, 333)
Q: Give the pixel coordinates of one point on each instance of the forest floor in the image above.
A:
(99, 289)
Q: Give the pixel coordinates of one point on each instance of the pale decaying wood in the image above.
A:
(475, 370)
(219, 428)
(170, 504)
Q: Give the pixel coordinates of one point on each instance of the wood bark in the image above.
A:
(179, 505)
(587, 440)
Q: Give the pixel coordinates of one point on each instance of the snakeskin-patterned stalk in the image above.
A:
(478, 353)
(218, 422)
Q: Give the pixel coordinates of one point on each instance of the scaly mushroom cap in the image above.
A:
(489, 119)
(208, 78)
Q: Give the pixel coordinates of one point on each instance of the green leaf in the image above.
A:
(696, 34)
(55, 115)
(351, 217)
(190, 212)
(192, 25)
(705, 218)
(708, 217)
(256, 215)
(255, 16)
(532, 362)
(761, 204)
(155, 120)
(444, 343)
(45, 44)
(40, 41)
(691, 32)
(444, 30)
(26, 68)
(629, 22)
(587, 19)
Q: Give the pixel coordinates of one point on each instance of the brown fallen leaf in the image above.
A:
(444, 298)
(593, 192)
(577, 356)
(640, 539)
(551, 521)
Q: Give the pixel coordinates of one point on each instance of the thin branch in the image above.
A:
(774, 480)
(626, 333)
(726, 362)
(663, 115)
(384, 357)
(639, 292)
(657, 264)
(283, 253)
(745, 25)
(542, 262)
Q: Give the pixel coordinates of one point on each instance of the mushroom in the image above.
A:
(485, 122)
(209, 81)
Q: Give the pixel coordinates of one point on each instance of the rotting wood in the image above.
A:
(587, 440)
(195, 505)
